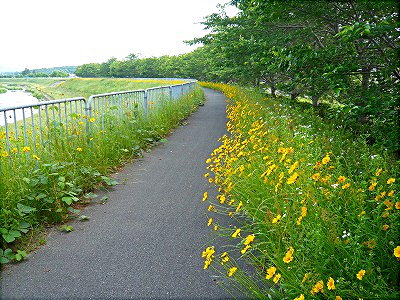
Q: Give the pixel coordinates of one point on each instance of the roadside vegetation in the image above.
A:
(315, 210)
(41, 184)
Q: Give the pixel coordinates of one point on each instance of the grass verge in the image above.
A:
(42, 187)
(318, 208)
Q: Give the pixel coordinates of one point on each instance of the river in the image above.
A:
(16, 98)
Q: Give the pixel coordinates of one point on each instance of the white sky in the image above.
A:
(51, 33)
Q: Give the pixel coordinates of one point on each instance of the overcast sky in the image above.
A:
(50, 33)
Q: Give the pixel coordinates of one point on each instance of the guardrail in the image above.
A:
(26, 127)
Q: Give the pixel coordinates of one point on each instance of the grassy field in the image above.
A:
(315, 209)
(41, 182)
(47, 88)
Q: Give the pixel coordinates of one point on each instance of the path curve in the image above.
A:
(146, 241)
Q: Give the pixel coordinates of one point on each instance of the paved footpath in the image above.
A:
(146, 241)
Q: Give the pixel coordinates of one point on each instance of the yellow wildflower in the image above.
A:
(325, 160)
(293, 178)
(205, 196)
(316, 176)
(232, 271)
(289, 255)
(391, 193)
(341, 179)
(303, 211)
(208, 160)
(236, 233)
(206, 175)
(208, 255)
(378, 172)
(239, 206)
(318, 287)
(224, 258)
(92, 120)
(390, 180)
(360, 274)
(277, 277)
(276, 219)
(247, 247)
(346, 186)
(385, 227)
(249, 239)
(270, 272)
(372, 186)
(215, 227)
(294, 166)
(222, 199)
(14, 150)
(301, 297)
(36, 157)
(397, 205)
(330, 284)
(338, 298)
(396, 252)
(26, 149)
(4, 154)
(305, 277)
(210, 220)
(210, 207)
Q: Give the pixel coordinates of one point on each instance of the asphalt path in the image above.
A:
(146, 240)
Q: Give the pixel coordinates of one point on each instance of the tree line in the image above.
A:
(344, 52)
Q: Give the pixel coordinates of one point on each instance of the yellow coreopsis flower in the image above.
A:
(338, 298)
(36, 157)
(346, 186)
(378, 172)
(247, 247)
(289, 255)
(397, 205)
(224, 258)
(325, 160)
(232, 271)
(4, 154)
(270, 272)
(239, 206)
(318, 287)
(276, 219)
(205, 196)
(26, 149)
(341, 179)
(92, 120)
(360, 274)
(304, 211)
(301, 297)
(215, 227)
(372, 186)
(390, 180)
(79, 149)
(331, 284)
(385, 227)
(210, 207)
(396, 252)
(236, 233)
(210, 220)
(249, 239)
(292, 179)
(276, 278)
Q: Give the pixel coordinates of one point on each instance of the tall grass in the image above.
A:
(319, 210)
(42, 186)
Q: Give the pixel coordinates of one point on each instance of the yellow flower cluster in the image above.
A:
(298, 199)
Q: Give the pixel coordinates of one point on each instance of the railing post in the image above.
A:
(88, 112)
(170, 93)
(145, 101)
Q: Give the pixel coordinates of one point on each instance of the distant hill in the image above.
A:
(68, 69)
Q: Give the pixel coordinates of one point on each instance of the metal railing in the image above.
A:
(25, 128)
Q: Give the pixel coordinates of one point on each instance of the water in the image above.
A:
(16, 98)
